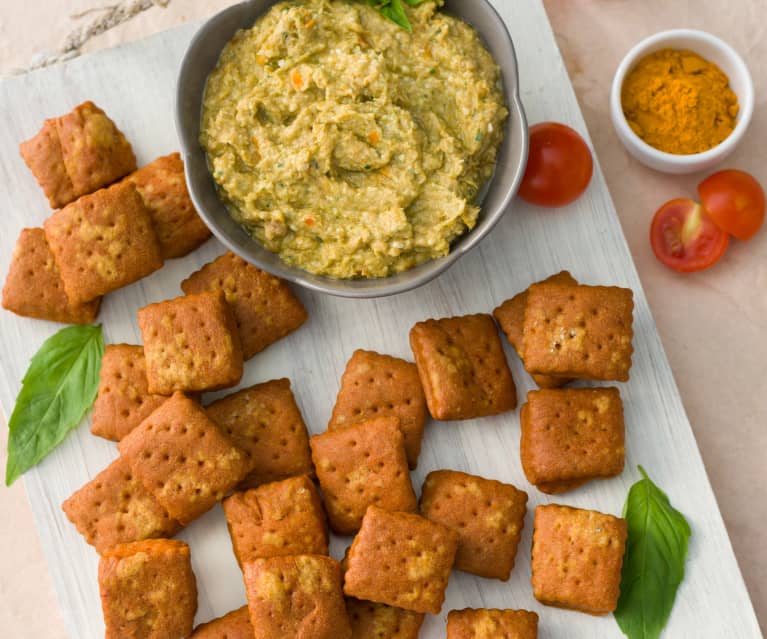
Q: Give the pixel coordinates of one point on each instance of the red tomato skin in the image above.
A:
(735, 201)
(666, 237)
(559, 166)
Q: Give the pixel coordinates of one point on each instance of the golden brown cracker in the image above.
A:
(296, 596)
(491, 623)
(375, 385)
(233, 625)
(578, 331)
(362, 465)
(487, 516)
(148, 590)
(265, 308)
(183, 458)
(162, 186)
(190, 344)
(371, 620)
(570, 436)
(400, 559)
(462, 367)
(102, 242)
(577, 558)
(44, 157)
(115, 508)
(281, 518)
(264, 420)
(124, 400)
(33, 287)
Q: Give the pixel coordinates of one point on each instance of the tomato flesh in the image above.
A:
(684, 238)
(559, 165)
(735, 202)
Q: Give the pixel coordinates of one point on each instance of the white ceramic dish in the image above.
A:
(711, 48)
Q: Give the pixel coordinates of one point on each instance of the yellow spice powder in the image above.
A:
(678, 102)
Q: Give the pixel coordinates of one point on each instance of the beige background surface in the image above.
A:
(712, 324)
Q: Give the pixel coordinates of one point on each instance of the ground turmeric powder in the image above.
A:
(679, 102)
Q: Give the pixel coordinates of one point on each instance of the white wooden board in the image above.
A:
(135, 85)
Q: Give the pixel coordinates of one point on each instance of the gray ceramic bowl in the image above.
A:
(198, 62)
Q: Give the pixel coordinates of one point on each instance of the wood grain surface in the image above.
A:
(135, 85)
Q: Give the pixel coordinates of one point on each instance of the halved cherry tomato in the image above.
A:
(684, 238)
(735, 201)
(559, 165)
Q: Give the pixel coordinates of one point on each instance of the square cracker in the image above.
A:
(400, 559)
(371, 620)
(115, 508)
(491, 623)
(570, 436)
(148, 590)
(102, 242)
(124, 400)
(162, 186)
(577, 558)
(33, 287)
(265, 308)
(281, 518)
(375, 385)
(190, 344)
(487, 516)
(578, 331)
(233, 625)
(511, 317)
(77, 153)
(296, 596)
(264, 420)
(183, 458)
(462, 367)
(362, 465)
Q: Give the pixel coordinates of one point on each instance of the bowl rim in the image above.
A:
(373, 287)
(745, 100)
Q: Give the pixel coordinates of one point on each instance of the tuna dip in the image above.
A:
(347, 145)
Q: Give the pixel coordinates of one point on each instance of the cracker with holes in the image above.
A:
(33, 286)
(190, 344)
(375, 385)
(233, 625)
(183, 458)
(281, 518)
(462, 367)
(296, 596)
(77, 153)
(148, 590)
(362, 465)
(265, 308)
(487, 516)
(578, 331)
(162, 186)
(400, 559)
(115, 508)
(124, 400)
(264, 420)
(102, 242)
(481, 623)
(577, 558)
(570, 436)
(511, 317)
(371, 620)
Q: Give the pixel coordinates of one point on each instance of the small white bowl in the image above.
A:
(711, 48)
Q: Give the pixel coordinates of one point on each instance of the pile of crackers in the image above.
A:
(282, 490)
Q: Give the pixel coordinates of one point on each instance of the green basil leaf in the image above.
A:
(653, 566)
(58, 387)
(414, 3)
(396, 13)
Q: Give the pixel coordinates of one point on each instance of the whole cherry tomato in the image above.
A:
(559, 165)
(735, 202)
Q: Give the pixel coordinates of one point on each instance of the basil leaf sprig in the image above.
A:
(653, 566)
(58, 387)
(395, 11)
